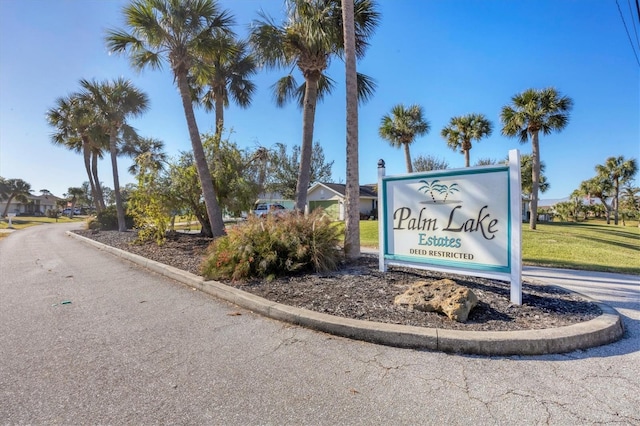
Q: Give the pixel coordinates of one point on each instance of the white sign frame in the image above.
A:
(487, 244)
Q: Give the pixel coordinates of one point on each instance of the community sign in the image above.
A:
(466, 221)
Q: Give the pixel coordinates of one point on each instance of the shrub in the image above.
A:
(108, 219)
(273, 246)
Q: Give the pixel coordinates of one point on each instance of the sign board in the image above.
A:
(465, 221)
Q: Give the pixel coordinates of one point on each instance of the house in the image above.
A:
(36, 205)
(331, 197)
(275, 198)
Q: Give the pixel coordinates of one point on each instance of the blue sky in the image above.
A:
(451, 57)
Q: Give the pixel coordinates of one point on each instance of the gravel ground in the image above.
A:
(358, 290)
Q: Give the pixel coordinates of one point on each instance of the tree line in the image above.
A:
(613, 185)
(530, 113)
(212, 66)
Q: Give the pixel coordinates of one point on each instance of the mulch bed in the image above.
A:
(359, 290)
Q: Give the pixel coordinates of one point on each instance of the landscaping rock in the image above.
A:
(444, 296)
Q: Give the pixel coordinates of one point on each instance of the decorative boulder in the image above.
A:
(444, 296)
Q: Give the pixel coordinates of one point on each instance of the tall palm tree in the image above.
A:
(618, 171)
(14, 188)
(115, 103)
(76, 128)
(180, 32)
(402, 127)
(226, 74)
(464, 129)
(311, 36)
(531, 112)
(352, 189)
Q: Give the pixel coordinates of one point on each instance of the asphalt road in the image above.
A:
(132, 347)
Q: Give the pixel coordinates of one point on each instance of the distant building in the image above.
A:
(331, 197)
(36, 205)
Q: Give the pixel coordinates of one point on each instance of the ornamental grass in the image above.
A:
(275, 246)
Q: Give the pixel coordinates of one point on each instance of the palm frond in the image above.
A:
(285, 89)
(366, 20)
(268, 42)
(366, 87)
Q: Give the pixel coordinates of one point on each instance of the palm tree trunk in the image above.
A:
(352, 190)
(407, 158)
(607, 209)
(6, 208)
(208, 193)
(113, 149)
(98, 195)
(535, 180)
(219, 115)
(616, 187)
(467, 162)
(308, 119)
(86, 153)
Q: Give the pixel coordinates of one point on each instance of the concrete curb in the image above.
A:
(605, 329)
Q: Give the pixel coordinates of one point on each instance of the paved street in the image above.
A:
(87, 338)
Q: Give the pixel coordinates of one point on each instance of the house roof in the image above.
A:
(366, 191)
(49, 197)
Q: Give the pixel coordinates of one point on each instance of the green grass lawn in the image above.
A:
(591, 245)
(369, 233)
(21, 222)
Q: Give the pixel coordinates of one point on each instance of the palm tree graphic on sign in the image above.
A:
(442, 190)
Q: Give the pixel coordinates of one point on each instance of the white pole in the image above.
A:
(515, 196)
(381, 219)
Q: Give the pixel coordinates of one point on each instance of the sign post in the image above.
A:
(515, 200)
(465, 221)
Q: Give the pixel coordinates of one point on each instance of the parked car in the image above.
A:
(67, 211)
(264, 209)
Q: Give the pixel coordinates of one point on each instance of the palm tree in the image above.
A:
(226, 74)
(308, 40)
(76, 194)
(402, 127)
(526, 166)
(147, 151)
(464, 129)
(180, 32)
(531, 112)
(618, 171)
(352, 189)
(601, 188)
(77, 128)
(631, 202)
(14, 188)
(115, 102)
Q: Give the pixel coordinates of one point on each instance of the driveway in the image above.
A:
(87, 338)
